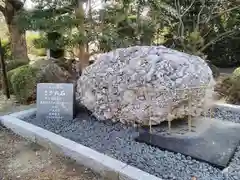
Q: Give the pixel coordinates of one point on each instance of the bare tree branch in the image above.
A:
(181, 27)
(223, 12)
(181, 24)
(199, 14)
(207, 33)
(211, 13)
(218, 38)
(193, 1)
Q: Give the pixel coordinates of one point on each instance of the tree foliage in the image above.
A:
(198, 27)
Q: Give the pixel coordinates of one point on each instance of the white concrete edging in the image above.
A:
(108, 167)
(231, 107)
(25, 113)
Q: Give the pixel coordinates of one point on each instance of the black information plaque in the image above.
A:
(55, 101)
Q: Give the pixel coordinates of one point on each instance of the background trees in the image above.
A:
(202, 27)
(206, 28)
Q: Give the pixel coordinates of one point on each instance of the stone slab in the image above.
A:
(55, 101)
(212, 141)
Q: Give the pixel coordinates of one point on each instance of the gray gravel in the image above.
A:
(117, 141)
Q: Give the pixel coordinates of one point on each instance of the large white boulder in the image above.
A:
(146, 84)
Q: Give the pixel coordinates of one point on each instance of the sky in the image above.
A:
(29, 4)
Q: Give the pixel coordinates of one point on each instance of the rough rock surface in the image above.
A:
(146, 84)
(50, 71)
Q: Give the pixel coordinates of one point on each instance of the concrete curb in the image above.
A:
(108, 167)
(25, 113)
(231, 107)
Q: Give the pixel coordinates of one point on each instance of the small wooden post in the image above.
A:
(150, 124)
(148, 99)
(189, 109)
(204, 88)
(5, 80)
(210, 113)
(169, 125)
(169, 110)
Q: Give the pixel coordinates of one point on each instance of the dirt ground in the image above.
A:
(23, 160)
(8, 106)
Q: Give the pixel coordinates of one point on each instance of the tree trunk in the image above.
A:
(17, 37)
(5, 79)
(83, 58)
(18, 43)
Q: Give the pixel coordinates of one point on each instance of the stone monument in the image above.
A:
(55, 101)
(127, 85)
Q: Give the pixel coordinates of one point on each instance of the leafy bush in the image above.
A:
(226, 53)
(40, 52)
(9, 76)
(234, 90)
(12, 64)
(7, 48)
(33, 45)
(229, 87)
(236, 74)
(222, 86)
(23, 81)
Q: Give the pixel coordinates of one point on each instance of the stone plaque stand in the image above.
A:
(55, 101)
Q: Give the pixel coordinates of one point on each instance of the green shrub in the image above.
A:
(12, 64)
(223, 85)
(33, 47)
(9, 76)
(7, 48)
(229, 87)
(234, 90)
(24, 81)
(40, 52)
(236, 73)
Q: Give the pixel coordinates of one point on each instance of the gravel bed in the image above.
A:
(117, 141)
